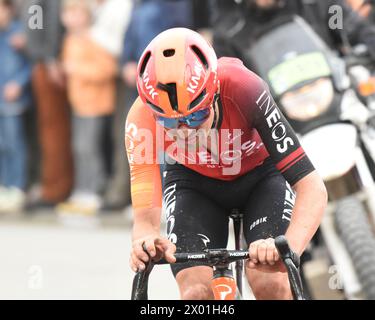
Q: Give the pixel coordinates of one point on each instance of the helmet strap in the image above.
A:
(215, 110)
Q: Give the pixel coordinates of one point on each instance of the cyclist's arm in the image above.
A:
(146, 221)
(146, 199)
(308, 210)
(144, 169)
(285, 150)
(290, 159)
(145, 188)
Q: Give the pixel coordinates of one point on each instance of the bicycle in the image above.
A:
(223, 284)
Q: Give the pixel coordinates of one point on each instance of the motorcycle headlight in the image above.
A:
(309, 101)
(367, 88)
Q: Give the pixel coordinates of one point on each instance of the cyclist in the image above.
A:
(227, 146)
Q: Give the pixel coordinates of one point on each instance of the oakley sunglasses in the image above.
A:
(193, 120)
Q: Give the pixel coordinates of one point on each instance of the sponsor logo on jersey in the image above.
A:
(224, 148)
(290, 199)
(206, 240)
(233, 136)
(258, 222)
(273, 119)
(170, 206)
(131, 131)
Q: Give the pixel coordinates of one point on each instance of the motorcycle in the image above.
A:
(318, 92)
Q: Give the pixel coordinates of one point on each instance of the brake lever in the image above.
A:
(140, 282)
(292, 263)
(285, 251)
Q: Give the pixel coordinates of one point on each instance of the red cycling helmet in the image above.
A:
(177, 73)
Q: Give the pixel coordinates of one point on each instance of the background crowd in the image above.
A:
(66, 88)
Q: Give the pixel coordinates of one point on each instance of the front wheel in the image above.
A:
(355, 231)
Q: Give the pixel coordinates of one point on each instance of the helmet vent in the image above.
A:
(197, 100)
(169, 53)
(200, 55)
(155, 107)
(144, 63)
(171, 89)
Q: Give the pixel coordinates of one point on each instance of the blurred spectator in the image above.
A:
(15, 75)
(90, 72)
(148, 18)
(237, 26)
(364, 8)
(112, 19)
(202, 18)
(43, 46)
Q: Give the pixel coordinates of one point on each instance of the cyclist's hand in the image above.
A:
(156, 247)
(264, 256)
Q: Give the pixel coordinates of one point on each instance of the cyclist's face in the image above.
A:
(190, 135)
(185, 134)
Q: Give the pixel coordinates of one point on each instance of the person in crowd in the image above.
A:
(112, 19)
(202, 18)
(90, 71)
(364, 8)
(53, 116)
(15, 75)
(237, 24)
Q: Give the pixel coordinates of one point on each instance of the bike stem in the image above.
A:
(237, 226)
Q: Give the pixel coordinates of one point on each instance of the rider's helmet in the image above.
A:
(177, 74)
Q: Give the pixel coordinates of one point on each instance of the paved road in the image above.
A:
(51, 262)
(41, 259)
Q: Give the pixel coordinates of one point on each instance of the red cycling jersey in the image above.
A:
(248, 129)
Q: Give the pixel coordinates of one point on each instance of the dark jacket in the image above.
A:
(43, 45)
(149, 18)
(237, 26)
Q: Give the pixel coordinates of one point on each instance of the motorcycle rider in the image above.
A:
(237, 27)
(365, 8)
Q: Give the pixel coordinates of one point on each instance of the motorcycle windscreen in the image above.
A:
(290, 56)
